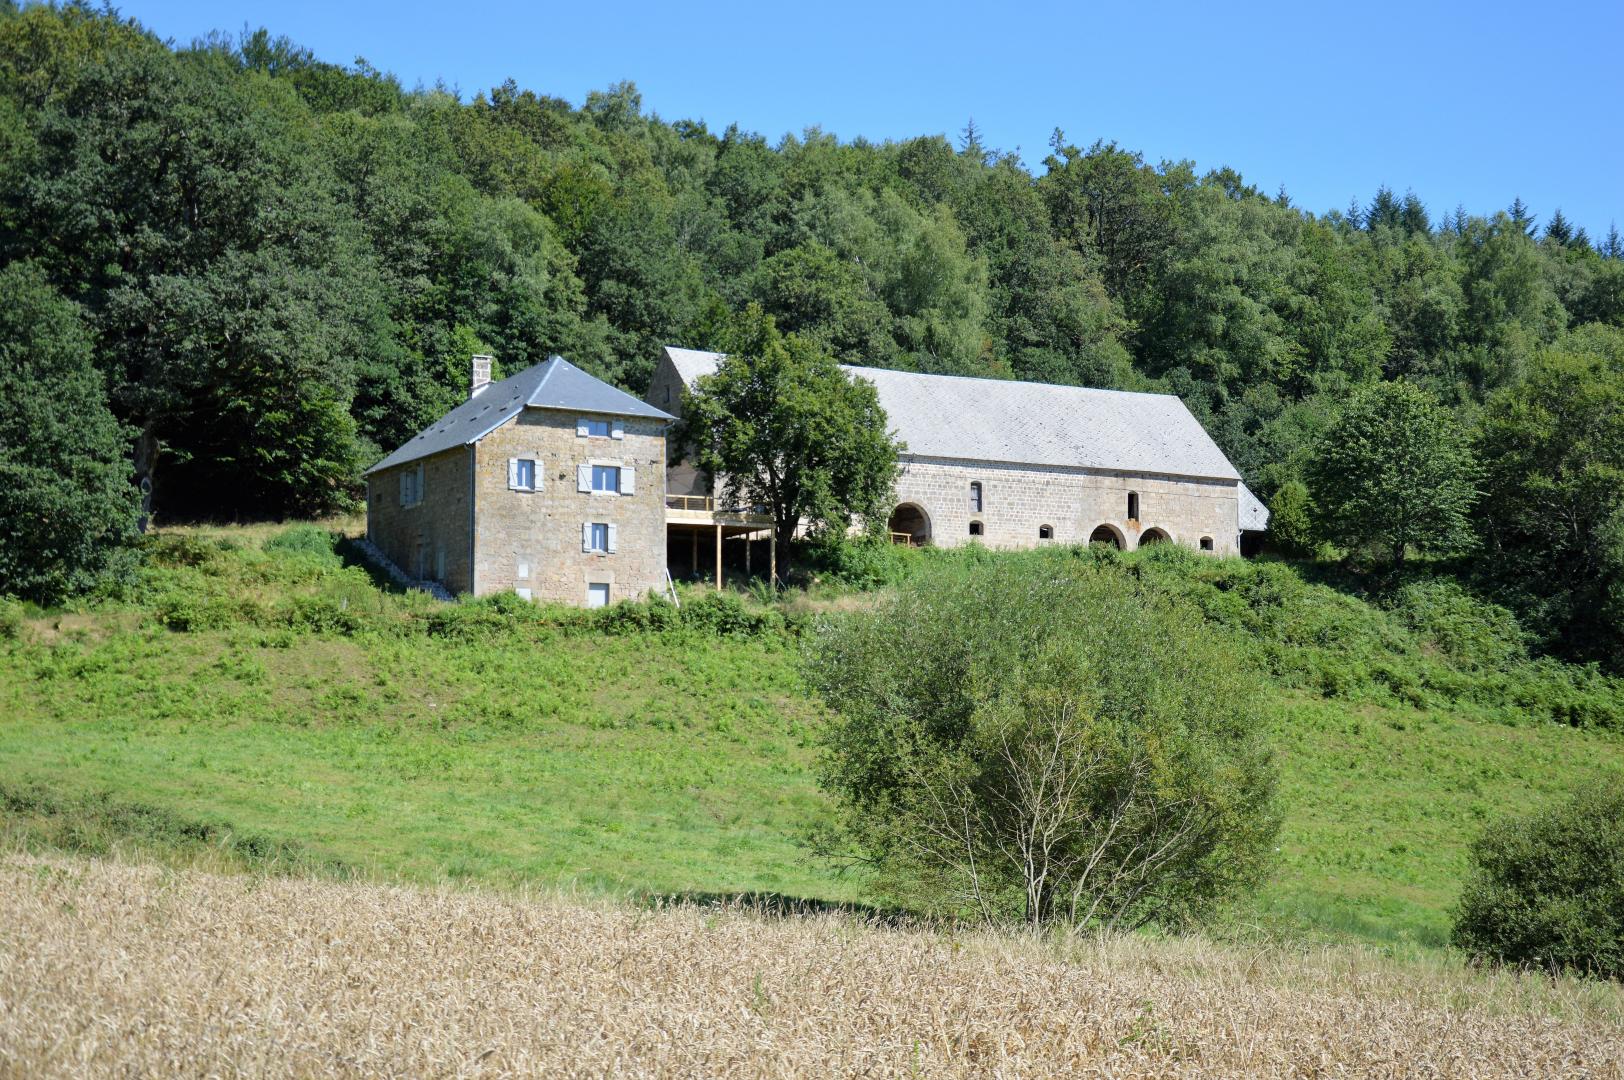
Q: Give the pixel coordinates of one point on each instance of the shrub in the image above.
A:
(1547, 891)
(1473, 633)
(311, 543)
(1039, 737)
(1291, 519)
(11, 619)
(725, 615)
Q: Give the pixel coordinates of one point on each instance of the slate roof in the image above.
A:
(1254, 516)
(952, 416)
(554, 383)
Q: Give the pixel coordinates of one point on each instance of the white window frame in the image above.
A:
(515, 465)
(587, 427)
(599, 538)
(603, 467)
(608, 593)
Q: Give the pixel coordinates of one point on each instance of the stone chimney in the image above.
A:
(480, 378)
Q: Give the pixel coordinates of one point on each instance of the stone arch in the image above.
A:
(1206, 543)
(1154, 536)
(909, 519)
(1108, 534)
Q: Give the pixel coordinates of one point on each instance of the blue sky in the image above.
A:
(1469, 103)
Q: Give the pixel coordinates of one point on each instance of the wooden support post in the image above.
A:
(749, 536)
(772, 547)
(693, 552)
(718, 556)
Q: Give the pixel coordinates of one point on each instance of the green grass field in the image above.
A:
(635, 762)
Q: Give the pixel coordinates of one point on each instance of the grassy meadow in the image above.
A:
(259, 699)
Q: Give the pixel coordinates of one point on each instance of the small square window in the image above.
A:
(1045, 532)
(606, 478)
(596, 429)
(975, 528)
(597, 595)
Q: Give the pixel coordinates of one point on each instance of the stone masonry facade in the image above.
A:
(532, 540)
(1017, 501)
(430, 540)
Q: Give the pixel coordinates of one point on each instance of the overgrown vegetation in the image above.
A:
(308, 704)
(1547, 890)
(1026, 738)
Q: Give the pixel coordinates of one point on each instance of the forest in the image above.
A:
(235, 274)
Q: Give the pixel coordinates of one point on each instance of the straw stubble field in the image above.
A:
(114, 968)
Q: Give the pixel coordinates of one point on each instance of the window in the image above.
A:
(587, 428)
(975, 528)
(1045, 532)
(524, 474)
(411, 486)
(597, 594)
(522, 571)
(522, 594)
(975, 496)
(598, 538)
(1133, 506)
(606, 478)
(1206, 543)
(668, 393)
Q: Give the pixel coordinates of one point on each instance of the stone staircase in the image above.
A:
(370, 552)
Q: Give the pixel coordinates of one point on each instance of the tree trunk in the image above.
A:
(145, 466)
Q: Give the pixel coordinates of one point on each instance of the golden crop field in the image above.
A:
(111, 968)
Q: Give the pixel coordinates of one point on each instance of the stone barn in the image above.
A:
(1016, 464)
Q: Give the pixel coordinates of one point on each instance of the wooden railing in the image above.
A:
(690, 502)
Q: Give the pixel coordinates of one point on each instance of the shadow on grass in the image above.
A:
(350, 551)
(776, 905)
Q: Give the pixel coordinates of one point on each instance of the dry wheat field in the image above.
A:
(116, 968)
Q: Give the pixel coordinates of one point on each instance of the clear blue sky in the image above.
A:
(1469, 103)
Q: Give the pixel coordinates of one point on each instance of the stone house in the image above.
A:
(1018, 464)
(549, 483)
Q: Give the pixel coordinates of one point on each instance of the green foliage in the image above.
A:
(1553, 514)
(1030, 738)
(1547, 890)
(1395, 472)
(780, 426)
(1291, 519)
(67, 507)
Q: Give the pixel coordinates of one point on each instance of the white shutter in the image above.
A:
(586, 536)
(405, 489)
(583, 478)
(580, 427)
(618, 429)
(628, 480)
(417, 485)
(536, 472)
(513, 472)
(613, 541)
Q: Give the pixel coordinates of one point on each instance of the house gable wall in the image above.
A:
(540, 531)
(434, 532)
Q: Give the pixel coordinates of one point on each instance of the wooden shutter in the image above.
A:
(536, 472)
(628, 480)
(613, 539)
(513, 472)
(617, 429)
(405, 489)
(581, 430)
(586, 536)
(583, 478)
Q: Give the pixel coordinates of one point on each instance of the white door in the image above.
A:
(597, 595)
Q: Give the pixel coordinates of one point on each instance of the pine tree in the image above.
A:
(1356, 214)
(970, 144)
(1581, 240)
(1612, 247)
(1521, 215)
(1557, 230)
(1384, 210)
(1413, 215)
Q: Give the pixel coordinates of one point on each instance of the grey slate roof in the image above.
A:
(1254, 516)
(952, 416)
(552, 384)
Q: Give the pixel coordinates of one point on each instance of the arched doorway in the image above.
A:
(1106, 534)
(1153, 536)
(909, 524)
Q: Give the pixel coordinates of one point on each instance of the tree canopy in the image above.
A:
(779, 425)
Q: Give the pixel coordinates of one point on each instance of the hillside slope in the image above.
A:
(262, 700)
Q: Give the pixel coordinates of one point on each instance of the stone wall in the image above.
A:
(1018, 500)
(665, 393)
(430, 540)
(532, 540)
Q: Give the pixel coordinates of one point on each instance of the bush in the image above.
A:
(1547, 891)
(1475, 634)
(311, 543)
(1039, 737)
